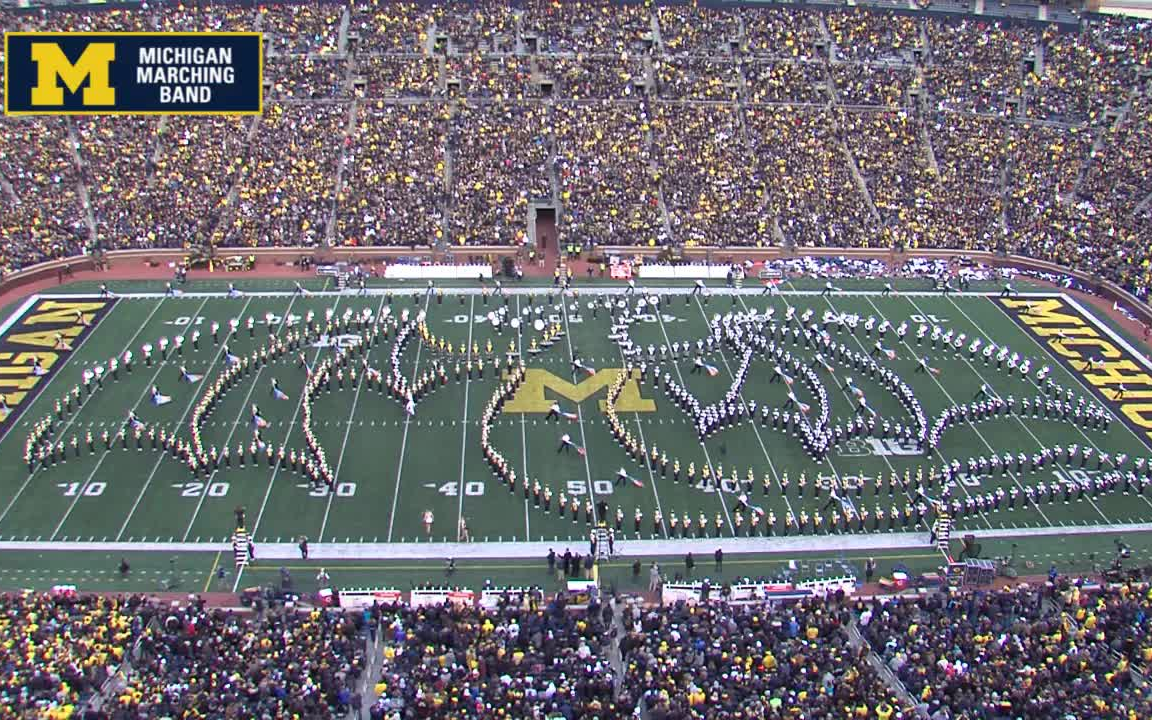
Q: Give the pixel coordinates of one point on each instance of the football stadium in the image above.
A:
(531, 359)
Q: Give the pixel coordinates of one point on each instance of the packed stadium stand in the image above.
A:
(1068, 647)
(966, 126)
(438, 124)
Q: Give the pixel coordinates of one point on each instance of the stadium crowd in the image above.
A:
(1050, 650)
(966, 133)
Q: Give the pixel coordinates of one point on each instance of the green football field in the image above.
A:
(391, 468)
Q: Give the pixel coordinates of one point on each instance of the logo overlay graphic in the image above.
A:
(35, 345)
(1107, 364)
(113, 73)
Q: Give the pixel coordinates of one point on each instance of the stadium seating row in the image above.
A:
(1048, 651)
(412, 124)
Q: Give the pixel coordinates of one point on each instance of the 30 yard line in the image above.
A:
(160, 365)
(348, 429)
(464, 422)
(836, 381)
(287, 435)
(707, 457)
(86, 400)
(978, 433)
(404, 436)
(231, 431)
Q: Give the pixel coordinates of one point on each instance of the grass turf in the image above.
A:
(390, 471)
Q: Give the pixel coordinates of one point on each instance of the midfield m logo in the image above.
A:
(124, 73)
(533, 396)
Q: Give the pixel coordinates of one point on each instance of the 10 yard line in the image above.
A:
(404, 436)
(232, 431)
(75, 415)
(100, 462)
(348, 429)
(1021, 421)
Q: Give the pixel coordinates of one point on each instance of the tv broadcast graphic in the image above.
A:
(558, 360)
(133, 73)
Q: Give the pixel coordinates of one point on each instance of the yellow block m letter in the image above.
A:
(93, 66)
(531, 398)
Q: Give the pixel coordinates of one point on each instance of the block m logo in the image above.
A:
(93, 65)
(531, 397)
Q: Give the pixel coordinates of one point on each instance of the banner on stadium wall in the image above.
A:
(684, 272)
(360, 599)
(620, 271)
(823, 587)
(133, 73)
(36, 341)
(672, 593)
(491, 599)
(439, 596)
(399, 271)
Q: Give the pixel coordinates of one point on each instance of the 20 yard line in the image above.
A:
(464, 423)
(404, 436)
(978, 433)
(72, 419)
(348, 430)
(160, 365)
(231, 432)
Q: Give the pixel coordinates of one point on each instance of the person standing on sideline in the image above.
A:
(303, 548)
(689, 563)
(719, 555)
(654, 578)
(551, 561)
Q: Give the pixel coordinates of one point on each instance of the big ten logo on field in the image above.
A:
(121, 73)
(533, 397)
(36, 342)
(1117, 375)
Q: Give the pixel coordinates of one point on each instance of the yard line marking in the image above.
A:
(579, 412)
(707, 457)
(404, 436)
(940, 455)
(348, 429)
(464, 424)
(978, 433)
(644, 444)
(64, 429)
(523, 419)
(287, 434)
(891, 468)
(1019, 420)
(232, 431)
(160, 365)
(192, 404)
